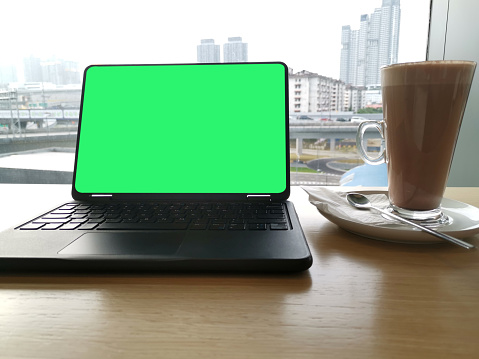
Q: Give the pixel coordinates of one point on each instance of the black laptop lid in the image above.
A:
(196, 131)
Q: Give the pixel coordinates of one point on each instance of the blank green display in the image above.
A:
(211, 128)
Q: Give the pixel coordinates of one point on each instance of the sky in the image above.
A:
(305, 34)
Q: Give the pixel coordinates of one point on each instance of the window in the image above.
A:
(48, 45)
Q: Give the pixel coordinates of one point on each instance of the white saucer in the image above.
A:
(465, 224)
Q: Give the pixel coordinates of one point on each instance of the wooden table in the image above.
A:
(361, 299)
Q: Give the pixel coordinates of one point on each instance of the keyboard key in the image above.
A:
(62, 211)
(270, 216)
(88, 226)
(142, 226)
(51, 226)
(57, 215)
(218, 226)
(266, 220)
(67, 207)
(237, 227)
(95, 220)
(198, 226)
(69, 226)
(32, 226)
(83, 207)
(257, 226)
(278, 226)
(50, 220)
(78, 220)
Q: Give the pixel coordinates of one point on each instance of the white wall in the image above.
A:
(454, 35)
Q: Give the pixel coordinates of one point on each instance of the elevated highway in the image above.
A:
(66, 121)
(332, 131)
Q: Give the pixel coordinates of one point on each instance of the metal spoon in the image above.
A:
(360, 201)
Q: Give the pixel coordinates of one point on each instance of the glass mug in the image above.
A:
(423, 107)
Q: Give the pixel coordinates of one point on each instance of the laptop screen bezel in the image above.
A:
(82, 196)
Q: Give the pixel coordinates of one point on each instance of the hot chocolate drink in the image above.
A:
(423, 106)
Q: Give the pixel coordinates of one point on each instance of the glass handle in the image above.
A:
(363, 126)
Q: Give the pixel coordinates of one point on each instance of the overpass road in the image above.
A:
(314, 179)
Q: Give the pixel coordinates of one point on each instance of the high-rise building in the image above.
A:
(8, 73)
(59, 72)
(33, 69)
(207, 51)
(374, 45)
(235, 50)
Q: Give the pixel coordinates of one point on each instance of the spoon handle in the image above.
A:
(428, 230)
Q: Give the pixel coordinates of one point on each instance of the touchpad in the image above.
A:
(125, 243)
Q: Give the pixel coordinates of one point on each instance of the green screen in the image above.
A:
(201, 128)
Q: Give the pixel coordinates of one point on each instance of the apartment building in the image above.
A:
(235, 50)
(354, 98)
(207, 51)
(310, 92)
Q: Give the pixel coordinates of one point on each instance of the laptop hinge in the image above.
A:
(258, 197)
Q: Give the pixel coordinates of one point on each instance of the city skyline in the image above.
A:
(373, 46)
(305, 34)
(56, 71)
(35, 70)
(235, 50)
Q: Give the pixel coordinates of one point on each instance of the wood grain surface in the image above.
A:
(362, 298)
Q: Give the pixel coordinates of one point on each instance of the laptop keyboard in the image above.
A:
(163, 216)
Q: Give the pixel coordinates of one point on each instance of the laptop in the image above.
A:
(178, 167)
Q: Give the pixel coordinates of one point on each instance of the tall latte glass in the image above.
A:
(423, 106)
